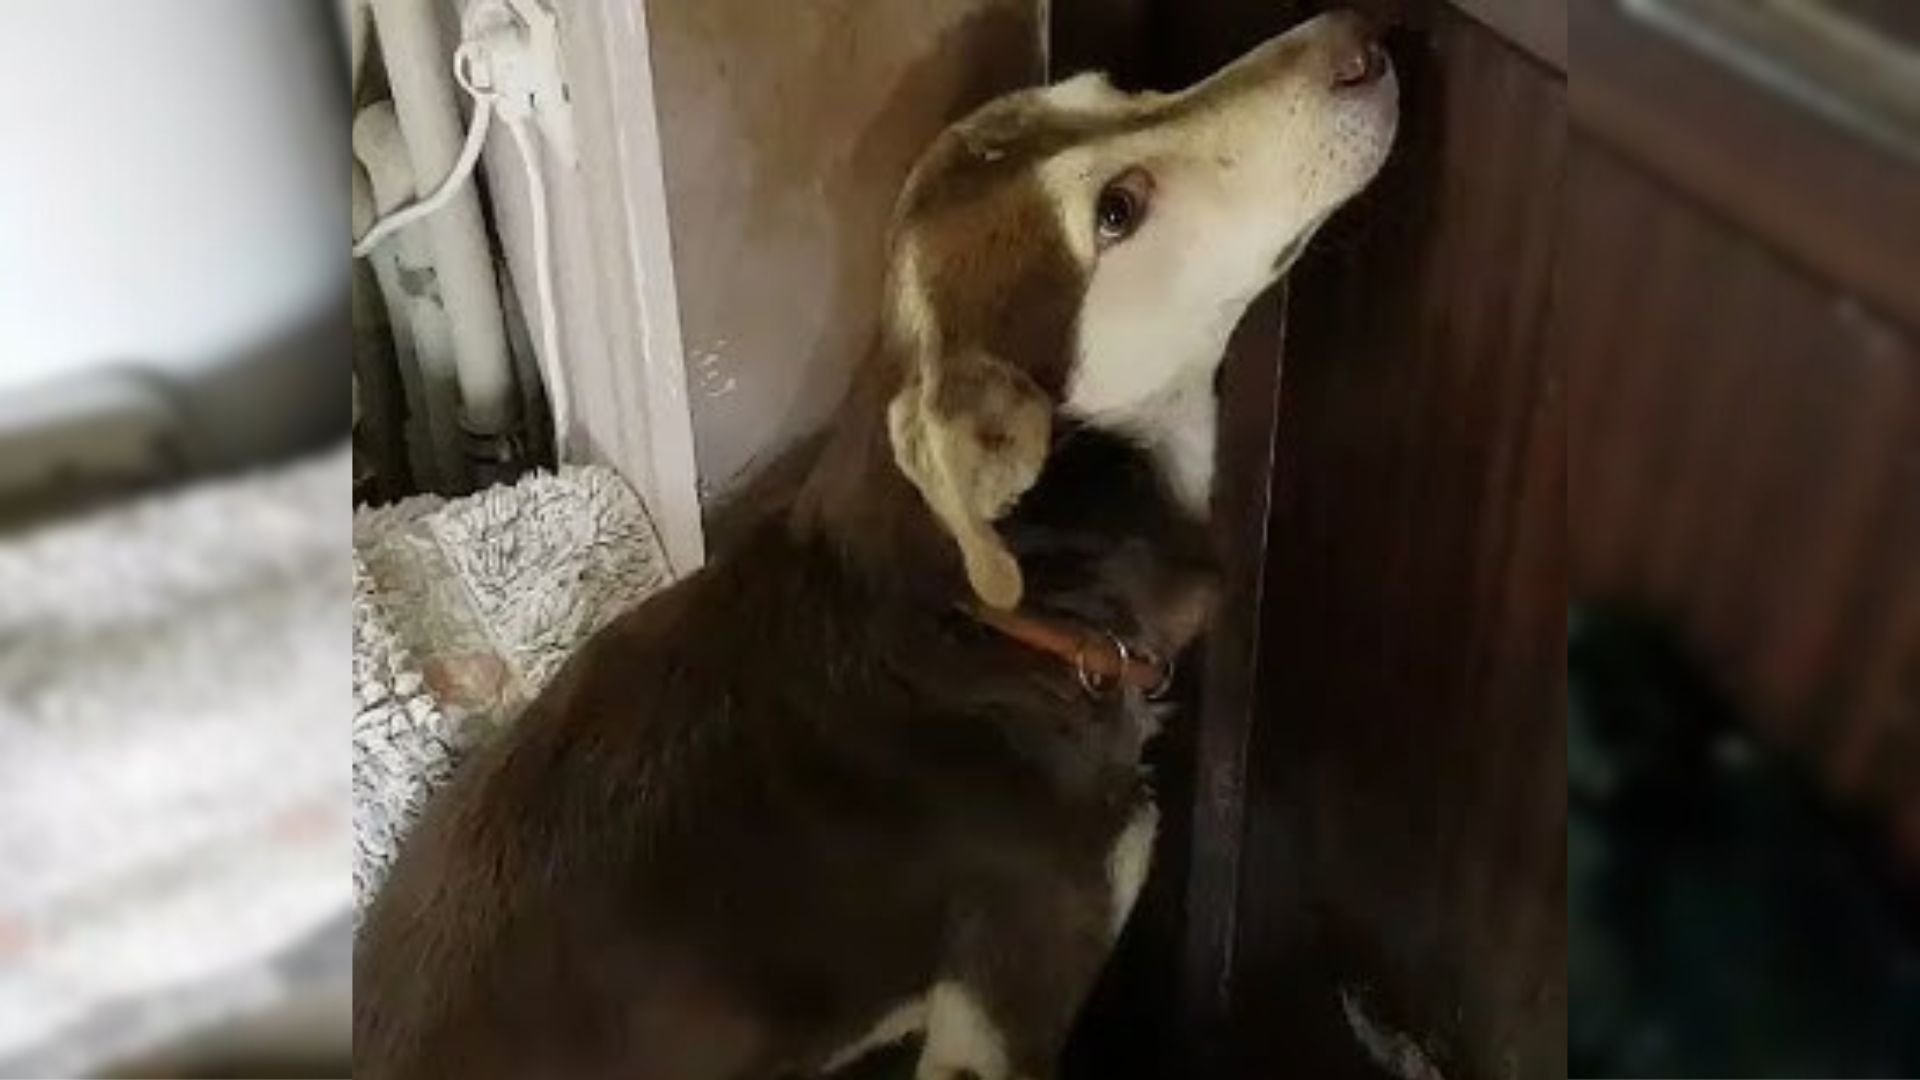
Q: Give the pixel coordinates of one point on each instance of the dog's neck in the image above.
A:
(1107, 538)
(1176, 427)
(1113, 535)
(853, 497)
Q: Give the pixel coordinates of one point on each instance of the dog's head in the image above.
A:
(1073, 248)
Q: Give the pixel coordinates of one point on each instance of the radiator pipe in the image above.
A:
(419, 70)
(425, 341)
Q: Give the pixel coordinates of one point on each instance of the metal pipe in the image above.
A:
(419, 70)
(424, 340)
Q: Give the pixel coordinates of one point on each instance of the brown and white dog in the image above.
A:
(876, 768)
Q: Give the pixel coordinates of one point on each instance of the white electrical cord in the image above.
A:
(549, 355)
(486, 99)
(462, 171)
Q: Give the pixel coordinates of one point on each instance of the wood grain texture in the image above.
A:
(1217, 808)
(1538, 26)
(1847, 209)
(1745, 445)
(1897, 18)
(1163, 1003)
(1404, 836)
(1369, 791)
(1161, 1007)
(1114, 36)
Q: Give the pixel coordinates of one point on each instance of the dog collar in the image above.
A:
(1100, 660)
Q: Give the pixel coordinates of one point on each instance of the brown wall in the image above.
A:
(786, 129)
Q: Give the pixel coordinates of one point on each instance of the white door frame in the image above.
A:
(629, 397)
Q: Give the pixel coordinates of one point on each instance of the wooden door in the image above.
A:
(1742, 326)
(1367, 809)
(1403, 872)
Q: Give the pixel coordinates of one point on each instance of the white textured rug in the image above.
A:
(173, 785)
(464, 609)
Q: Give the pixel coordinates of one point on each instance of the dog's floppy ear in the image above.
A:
(972, 433)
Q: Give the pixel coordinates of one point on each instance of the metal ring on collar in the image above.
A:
(1092, 683)
(1159, 690)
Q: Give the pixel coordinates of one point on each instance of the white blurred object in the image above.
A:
(173, 788)
(173, 180)
(81, 436)
(354, 17)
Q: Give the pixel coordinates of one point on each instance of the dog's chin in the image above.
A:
(1363, 125)
(1380, 123)
(1363, 172)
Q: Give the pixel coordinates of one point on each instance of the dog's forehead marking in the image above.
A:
(1055, 141)
(1086, 92)
(1028, 131)
(1009, 140)
(1017, 178)
(982, 261)
(1001, 242)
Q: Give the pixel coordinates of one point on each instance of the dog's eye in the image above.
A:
(1122, 206)
(1116, 213)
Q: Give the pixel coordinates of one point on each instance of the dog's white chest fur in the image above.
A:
(961, 1039)
(1177, 427)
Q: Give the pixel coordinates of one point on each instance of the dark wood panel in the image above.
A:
(1161, 1005)
(1538, 26)
(1114, 36)
(1163, 1002)
(1898, 18)
(1745, 447)
(1250, 407)
(1227, 970)
(1404, 836)
(1847, 208)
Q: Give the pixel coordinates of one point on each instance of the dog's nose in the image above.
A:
(1353, 48)
(1359, 63)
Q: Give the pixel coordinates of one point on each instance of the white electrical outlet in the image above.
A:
(518, 43)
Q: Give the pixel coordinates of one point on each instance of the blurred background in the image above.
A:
(1738, 310)
(1564, 716)
(173, 206)
(174, 494)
